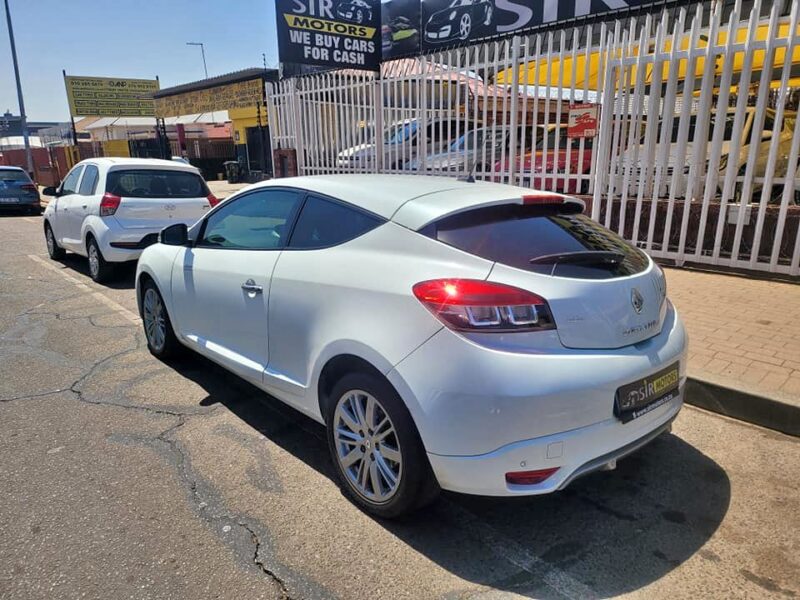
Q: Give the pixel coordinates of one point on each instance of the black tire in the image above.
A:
(55, 251)
(416, 486)
(99, 269)
(167, 346)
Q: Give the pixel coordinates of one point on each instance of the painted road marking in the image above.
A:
(115, 306)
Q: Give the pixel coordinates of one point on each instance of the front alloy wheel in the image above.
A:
(155, 326)
(367, 446)
(161, 340)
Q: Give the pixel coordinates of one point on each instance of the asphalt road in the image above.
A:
(124, 477)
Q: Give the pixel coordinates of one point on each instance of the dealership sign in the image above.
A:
(110, 96)
(330, 33)
(243, 94)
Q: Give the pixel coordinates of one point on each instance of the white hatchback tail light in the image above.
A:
(476, 305)
(109, 204)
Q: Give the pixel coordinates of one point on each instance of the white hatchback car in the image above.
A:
(476, 337)
(110, 209)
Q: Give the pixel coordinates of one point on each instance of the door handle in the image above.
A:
(250, 287)
(84, 206)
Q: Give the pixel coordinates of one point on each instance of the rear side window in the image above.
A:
(70, 185)
(155, 183)
(14, 175)
(323, 223)
(89, 181)
(560, 243)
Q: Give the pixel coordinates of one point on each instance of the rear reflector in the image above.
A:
(529, 477)
(109, 204)
(476, 305)
(212, 200)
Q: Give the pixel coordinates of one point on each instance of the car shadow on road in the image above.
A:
(605, 535)
(124, 277)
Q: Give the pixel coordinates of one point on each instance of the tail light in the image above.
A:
(475, 305)
(529, 477)
(109, 204)
(29, 187)
(212, 199)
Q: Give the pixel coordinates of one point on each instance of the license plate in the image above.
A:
(640, 397)
(9, 200)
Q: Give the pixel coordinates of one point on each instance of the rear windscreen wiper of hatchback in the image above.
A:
(581, 257)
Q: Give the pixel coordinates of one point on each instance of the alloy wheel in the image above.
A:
(94, 260)
(154, 323)
(367, 446)
(51, 242)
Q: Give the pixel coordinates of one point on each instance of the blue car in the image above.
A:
(18, 192)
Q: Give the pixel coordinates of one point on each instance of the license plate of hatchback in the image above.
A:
(9, 200)
(640, 397)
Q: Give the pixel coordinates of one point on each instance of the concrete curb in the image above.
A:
(744, 406)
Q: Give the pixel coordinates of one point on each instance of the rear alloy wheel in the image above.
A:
(161, 340)
(99, 269)
(375, 446)
(55, 251)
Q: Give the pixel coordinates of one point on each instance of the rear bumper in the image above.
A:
(575, 453)
(484, 411)
(121, 244)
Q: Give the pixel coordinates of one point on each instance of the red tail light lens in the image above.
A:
(475, 305)
(529, 477)
(212, 200)
(544, 199)
(109, 204)
(29, 187)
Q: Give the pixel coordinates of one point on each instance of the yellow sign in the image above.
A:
(110, 97)
(314, 24)
(244, 94)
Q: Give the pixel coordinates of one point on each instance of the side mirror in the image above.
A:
(174, 235)
(50, 191)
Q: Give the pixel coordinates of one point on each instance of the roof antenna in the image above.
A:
(469, 177)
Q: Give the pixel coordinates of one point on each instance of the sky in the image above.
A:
(125, 38)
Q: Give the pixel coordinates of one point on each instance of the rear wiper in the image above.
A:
(580, 257)
(607, 258)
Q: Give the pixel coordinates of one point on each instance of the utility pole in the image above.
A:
(205, 68)
(202, 51)
(23, 121)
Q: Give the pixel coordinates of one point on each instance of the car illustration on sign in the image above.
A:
(459, 20)
(355, 11)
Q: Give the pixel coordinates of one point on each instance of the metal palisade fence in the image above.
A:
(695, 153)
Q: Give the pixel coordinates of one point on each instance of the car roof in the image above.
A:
(409, 200)
(122, 161)
(10, 168)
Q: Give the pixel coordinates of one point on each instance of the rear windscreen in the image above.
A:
(155, 183)
(13, 175)
(560, 243)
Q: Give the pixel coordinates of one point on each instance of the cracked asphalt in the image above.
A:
(124, 477)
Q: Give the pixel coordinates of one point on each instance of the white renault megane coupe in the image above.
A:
(462, 335)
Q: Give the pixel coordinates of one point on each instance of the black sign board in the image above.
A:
(453, 22)
(330, 33)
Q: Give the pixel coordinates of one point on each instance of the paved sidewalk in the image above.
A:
(744, 333)
(223, 189)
